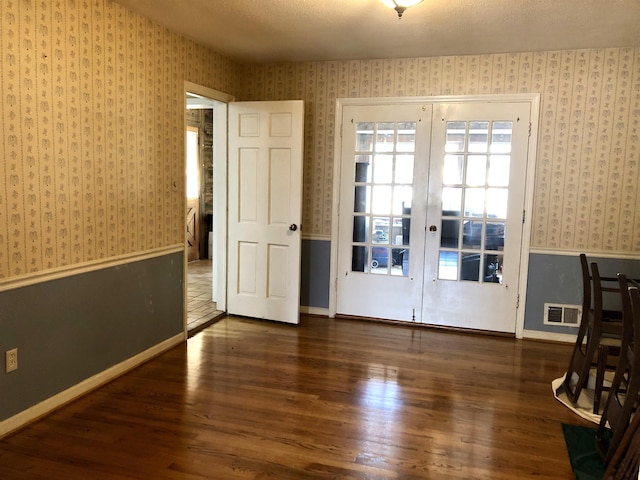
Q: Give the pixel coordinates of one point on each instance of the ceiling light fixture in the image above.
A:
(400, 5)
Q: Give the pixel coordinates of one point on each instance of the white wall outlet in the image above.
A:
(11, 360)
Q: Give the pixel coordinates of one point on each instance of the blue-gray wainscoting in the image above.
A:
(69, 329)
(555, 278)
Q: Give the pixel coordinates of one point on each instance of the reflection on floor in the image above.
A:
(201, 310)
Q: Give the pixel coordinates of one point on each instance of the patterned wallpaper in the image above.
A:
(92, 144)
(92, 131)
(588, 166)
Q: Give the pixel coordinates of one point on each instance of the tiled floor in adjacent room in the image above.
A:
(201, 310)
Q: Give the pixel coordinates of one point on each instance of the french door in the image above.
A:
(382, 213)
(431, 212)
(475, 215)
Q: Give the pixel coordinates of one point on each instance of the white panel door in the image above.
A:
(475, 214)
(383, 182)
(265, 201)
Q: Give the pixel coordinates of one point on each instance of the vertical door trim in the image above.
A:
(532, 98)
(220, 160)
(532, 160)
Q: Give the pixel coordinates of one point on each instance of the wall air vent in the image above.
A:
(562, 315)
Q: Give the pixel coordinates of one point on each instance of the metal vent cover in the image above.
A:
(562, 315)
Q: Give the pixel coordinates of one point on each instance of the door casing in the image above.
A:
(532, 98)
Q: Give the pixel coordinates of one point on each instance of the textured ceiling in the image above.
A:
(261, 31)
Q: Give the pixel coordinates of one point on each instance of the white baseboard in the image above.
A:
(52, 403)
(553, 337)
(324, 312)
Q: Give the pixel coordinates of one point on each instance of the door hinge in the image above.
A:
(518, 301)
(529, 128)
(524, 212)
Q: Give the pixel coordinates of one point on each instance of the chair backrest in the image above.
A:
(586, 284)
(601, 286)
(620, 403)
(592, 328)
(625, 460)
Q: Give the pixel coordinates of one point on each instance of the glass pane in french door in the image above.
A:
(475, 193)
(383, 190)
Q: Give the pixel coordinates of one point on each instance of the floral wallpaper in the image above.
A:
(92, 145)
(92, 142)
(588, 165)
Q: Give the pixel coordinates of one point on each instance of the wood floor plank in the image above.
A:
(328, 399)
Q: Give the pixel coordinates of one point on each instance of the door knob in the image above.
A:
(293, 227)
(433, 228)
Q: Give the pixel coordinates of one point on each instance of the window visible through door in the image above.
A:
(193, 193)
(193, 163)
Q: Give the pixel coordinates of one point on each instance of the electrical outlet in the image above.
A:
(11, 360)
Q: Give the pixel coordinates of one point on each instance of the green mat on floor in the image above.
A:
(581, 447)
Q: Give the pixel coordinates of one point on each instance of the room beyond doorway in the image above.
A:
(213, 195)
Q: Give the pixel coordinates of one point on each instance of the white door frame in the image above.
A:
(532, 98)
(219, 286)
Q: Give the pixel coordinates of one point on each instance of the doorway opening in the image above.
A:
(277, 158)
(205, 160)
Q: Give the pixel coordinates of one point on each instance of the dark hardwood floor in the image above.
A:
(329, 399)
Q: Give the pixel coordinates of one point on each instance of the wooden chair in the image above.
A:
(599, 335)
(625, 462)
(613, 334)
(612, 451)
(621, 402)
